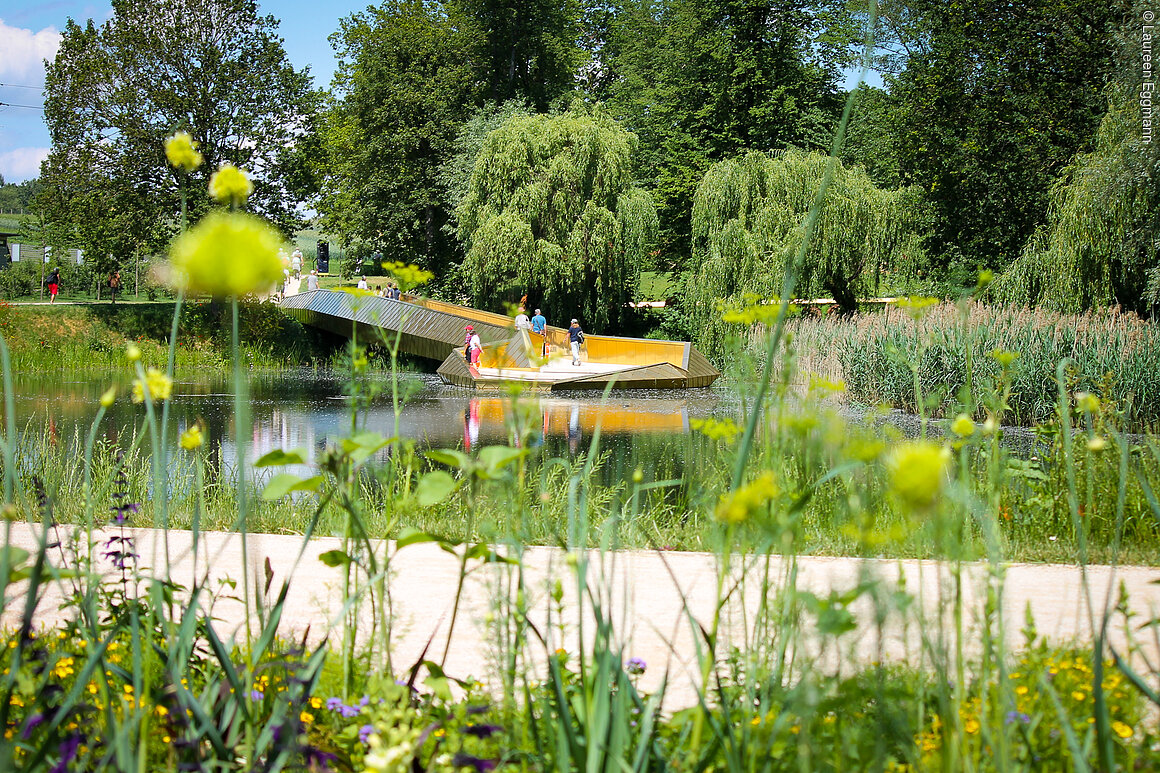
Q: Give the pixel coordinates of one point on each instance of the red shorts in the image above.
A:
(52, 289)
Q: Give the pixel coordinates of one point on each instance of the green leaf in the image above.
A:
(335, 558)
(412, 536)
(360, 447)
(278, 458)
(449, 457)
(495, 458)
(434, 487)
(282, 484)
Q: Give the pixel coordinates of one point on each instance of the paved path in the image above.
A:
(649, 592)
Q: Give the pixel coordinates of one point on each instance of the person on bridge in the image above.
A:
(469, 332)
(539, 324)
(522, 322)
(476, 347)
(576, 337)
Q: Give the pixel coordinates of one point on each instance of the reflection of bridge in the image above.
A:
(435, 330)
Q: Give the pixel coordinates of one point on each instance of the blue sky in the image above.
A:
(30, 33)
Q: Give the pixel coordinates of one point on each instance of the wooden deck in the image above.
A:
(435, 330)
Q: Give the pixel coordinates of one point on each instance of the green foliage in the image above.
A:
(552, 212)
(114, 92)
(405, 83)
(700, 82)
(994, 101)
(748, 220)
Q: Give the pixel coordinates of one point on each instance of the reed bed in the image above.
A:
(1108, 353)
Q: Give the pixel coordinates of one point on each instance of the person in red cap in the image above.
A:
(469, 330)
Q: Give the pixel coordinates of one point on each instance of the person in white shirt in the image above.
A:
(476, 347)
(522, 321)
(296, 262)
(312, 280)
(362, 283)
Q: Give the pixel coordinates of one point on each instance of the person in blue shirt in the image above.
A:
(539, 324)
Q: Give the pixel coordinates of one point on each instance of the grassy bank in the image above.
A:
(81, 337)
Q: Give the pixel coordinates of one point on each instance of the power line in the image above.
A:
(19, 86)
(26, 107)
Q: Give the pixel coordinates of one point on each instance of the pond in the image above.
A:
(305, 408)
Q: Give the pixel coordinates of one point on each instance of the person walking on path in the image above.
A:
(312, 280)
(114, 285)
(576, 337)
(296, 263)
(362, 283)
(522, 322)
(53, 284)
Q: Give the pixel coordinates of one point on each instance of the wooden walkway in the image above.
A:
(435, 330)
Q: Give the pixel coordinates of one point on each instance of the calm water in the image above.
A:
(307, 409)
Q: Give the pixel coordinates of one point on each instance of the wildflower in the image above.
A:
(1078, 695)
(963, 426)
(986, 276)
(1121, 729)
(739, 505)
(916, 305)
(132, 352)
(1097, 443)
(990, 426)
(181, 150)
(365, 732)
(1087, 402)
(192, 437)
(1003, 357)
(635, 666)
(230, 185)
(917, 471)
(477, 764)
(716, 430)
(971, 726)
(408, 276)
(256, 695)
(156, 386)
(1017, 716)
(306, 717)
(108, 396)
(63, 668)
(482, 731)
(67, 751)
(227, 253)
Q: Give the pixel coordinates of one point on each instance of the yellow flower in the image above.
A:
(739, 505)
(916, 305)
(181, 151)
(1021, 689)
(156, 385)
(1097, 443)
(963, 426)
(408, 276)
(1077, 695)
(192, 438)
(316, 703)
(161, 711)
(227, 254)
(230, 185)
(917, 471)
(306, 717)
(132, 352)
(108, 396)
(1087, 402)
(1121, 729)
(971, 726)
(1003, 357)
(63, 668)
(717, 430)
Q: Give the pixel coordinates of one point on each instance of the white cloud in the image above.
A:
(21, 164)
(25, 52)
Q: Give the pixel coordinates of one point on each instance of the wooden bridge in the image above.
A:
(435, 330)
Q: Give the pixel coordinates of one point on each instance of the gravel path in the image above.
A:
(648, 594)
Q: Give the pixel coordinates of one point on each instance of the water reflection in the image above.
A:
(306, 409)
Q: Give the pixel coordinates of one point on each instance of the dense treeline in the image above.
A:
(558, 149)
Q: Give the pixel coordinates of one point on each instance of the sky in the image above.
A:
(30, 33)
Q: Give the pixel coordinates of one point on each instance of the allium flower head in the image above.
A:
(230, 185)
(227, 253)
(917, 472)
(156, 385)
(132, 352)
(108, 396)
(181, 151)
(192, 437)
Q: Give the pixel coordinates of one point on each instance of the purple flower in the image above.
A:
(256, 695)
(316, 759)
(635, 666)
(30, 724)
(334, 704)
(68, 752)
(478, 764)
(1017, 716)
(365, 732)
(482, 731)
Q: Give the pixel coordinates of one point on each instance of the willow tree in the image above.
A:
(749, 220)
(1099, 245)
(551, 212)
